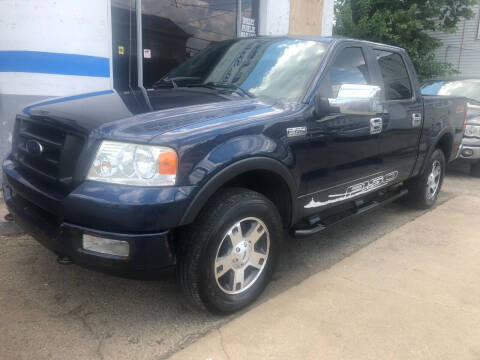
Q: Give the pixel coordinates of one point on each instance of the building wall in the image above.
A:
(50, 48)
(53, 29)
(296, 17)
(462, 48)
(274, 17)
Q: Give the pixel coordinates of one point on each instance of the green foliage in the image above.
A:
(404, 23)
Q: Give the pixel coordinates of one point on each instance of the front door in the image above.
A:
(345, 147)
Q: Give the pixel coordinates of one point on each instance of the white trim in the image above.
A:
(327, 18)
(110, 39)
(274, 17)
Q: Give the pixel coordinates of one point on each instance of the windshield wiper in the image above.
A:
(225, 86)
(172, 80)
(164, 83)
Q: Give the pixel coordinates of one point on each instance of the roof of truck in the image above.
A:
(454, 78)
(336, 39)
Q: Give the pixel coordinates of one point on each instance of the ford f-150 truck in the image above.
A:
(244, 140)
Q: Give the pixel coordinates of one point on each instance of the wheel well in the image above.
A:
(445, 144)
(270, 185)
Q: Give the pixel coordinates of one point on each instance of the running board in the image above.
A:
(361, 209)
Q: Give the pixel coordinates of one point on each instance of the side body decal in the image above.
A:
(355, 190)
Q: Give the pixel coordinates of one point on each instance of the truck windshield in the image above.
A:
(276, 68)
(467, 88)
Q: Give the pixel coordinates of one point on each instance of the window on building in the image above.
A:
(349, 67)
(174, 30)
(395, 76)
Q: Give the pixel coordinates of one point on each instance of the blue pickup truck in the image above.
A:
(209, 167)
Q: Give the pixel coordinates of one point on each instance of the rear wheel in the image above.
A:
(423, 190)
(228, 254)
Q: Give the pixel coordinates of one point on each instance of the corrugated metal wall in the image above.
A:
(462, 48)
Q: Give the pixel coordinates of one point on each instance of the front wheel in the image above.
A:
(228, 254)
(423, 190)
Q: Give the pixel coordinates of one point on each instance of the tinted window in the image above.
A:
(264, 67)
(467, 88)
(349, 67)
(395, 75)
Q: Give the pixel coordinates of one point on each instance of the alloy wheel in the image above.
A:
(433, 180)
(242, 255)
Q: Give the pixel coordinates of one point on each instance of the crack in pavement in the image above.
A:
(188, 340)
(79, 314)
(222, 343)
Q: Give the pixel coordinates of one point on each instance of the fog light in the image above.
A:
(467, 152)
(105, 246)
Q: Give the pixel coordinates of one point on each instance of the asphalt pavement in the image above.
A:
(52, 311)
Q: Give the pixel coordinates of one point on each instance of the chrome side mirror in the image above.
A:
(357, 99)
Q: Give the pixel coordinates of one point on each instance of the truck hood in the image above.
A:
(138, 115)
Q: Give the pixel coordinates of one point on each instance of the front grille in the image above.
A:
(59, 150)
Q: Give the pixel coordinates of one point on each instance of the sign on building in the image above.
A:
(248, 27)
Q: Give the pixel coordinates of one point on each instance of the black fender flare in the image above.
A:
(434, 144)
(228, 173)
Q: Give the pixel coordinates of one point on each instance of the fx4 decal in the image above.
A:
(355, 190)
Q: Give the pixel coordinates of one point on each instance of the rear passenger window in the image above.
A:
(395, 75)
(349, 67)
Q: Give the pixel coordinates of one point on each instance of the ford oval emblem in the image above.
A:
(34, 148)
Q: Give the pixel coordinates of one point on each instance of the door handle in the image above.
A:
(376, 125)
(416, 119)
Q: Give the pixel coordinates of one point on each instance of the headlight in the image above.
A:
(472, 131)
(131, 164)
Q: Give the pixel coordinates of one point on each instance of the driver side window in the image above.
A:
(349, 67)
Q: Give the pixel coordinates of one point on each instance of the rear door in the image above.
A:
(403, 111)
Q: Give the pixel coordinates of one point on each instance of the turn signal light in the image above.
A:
(167, 163)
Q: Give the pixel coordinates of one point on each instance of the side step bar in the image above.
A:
(300, 233)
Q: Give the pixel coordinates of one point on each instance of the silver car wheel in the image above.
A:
(242, 255)
(433, 180)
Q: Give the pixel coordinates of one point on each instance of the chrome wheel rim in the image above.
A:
(242, 255)
(433, 180)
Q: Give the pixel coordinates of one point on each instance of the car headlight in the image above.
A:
(132, 164)
(472, 131)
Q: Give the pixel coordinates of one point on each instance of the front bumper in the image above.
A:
(140, 216)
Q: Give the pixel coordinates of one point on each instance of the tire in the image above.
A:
(420, 189)
(215, 239)
(475, 169)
